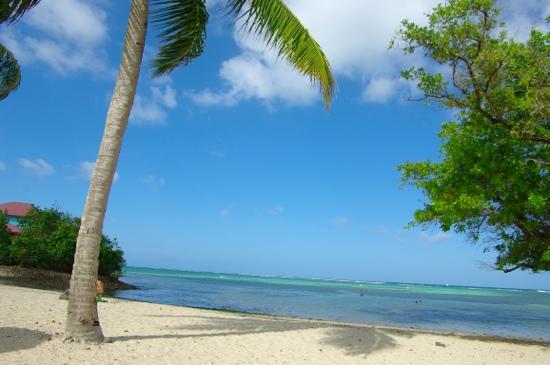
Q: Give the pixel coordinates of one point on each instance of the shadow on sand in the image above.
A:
(353, 341)
(15, 338)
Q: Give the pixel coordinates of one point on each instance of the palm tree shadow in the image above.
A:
(354, 341)
(357, 341)
(15, 338)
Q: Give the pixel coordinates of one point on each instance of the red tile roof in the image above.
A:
(15, 209)
(13, 229)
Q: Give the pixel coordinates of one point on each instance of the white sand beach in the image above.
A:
(32, 324)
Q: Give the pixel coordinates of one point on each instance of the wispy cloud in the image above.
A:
(85, 170)
(258, 74)
(3, 166)
(227, 211)
(437, 237)
(522, 16)
(380, 89)
(275, 210)
(255, 75)
(152, 110)
(39, 167)
(154, 182)
(340, 221)
(66, 35)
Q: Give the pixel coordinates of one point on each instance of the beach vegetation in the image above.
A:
(491, 181)
(48, 241)
(5, 241)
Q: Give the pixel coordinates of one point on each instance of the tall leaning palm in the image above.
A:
(182, 26)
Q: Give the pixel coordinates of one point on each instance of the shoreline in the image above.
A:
(57, 282)
(465, 335)
(32, 331)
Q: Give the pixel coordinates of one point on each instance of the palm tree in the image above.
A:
(10, 73)
(182, 38)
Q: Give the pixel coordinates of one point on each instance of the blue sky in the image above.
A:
(232, 164)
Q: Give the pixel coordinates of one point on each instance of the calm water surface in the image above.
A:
(493, 311)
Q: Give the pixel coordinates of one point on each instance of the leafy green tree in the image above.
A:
(34, 246)
(5, 241)
(48, 241)
(492, 181)
(111, 260)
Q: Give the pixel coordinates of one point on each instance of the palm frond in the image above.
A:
(12, 10)
(273, 20)
(10, 74)
(182, 25)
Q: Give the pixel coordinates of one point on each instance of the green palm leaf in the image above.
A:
(183, 32)
(12, 10)
(10, 74)
(280, 28)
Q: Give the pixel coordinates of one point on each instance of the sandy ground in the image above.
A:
(32, 323)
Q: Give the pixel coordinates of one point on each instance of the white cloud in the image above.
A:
(437, 237)
(379, 90)
(275, 210)
(37, 167)
(340, 221)
(67, 35)
(3, 166)
(152, 110)
(254, 75)
(356, 44)
(522, 16)
(76, 20)
(355, 36)
(155, 182)
(147, 112)
(85, 170)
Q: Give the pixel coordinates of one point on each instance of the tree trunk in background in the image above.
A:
(82, 316)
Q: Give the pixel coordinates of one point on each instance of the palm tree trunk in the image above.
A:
(82, 316)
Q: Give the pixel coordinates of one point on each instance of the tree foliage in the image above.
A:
(182, 25)
(48, 241)
(10, 73)
(4, 240)
(12, 10)
(492, 181)
(183, 33)
(278, 26)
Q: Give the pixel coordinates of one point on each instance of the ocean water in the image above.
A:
(490, 311)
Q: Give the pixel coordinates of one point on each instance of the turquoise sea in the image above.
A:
(492, 311)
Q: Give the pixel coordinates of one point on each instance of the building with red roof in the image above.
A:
(14, 211)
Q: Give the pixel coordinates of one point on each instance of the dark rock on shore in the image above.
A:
(49, 280)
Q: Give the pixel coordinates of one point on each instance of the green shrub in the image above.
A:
(48, 241)
(5, 241)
